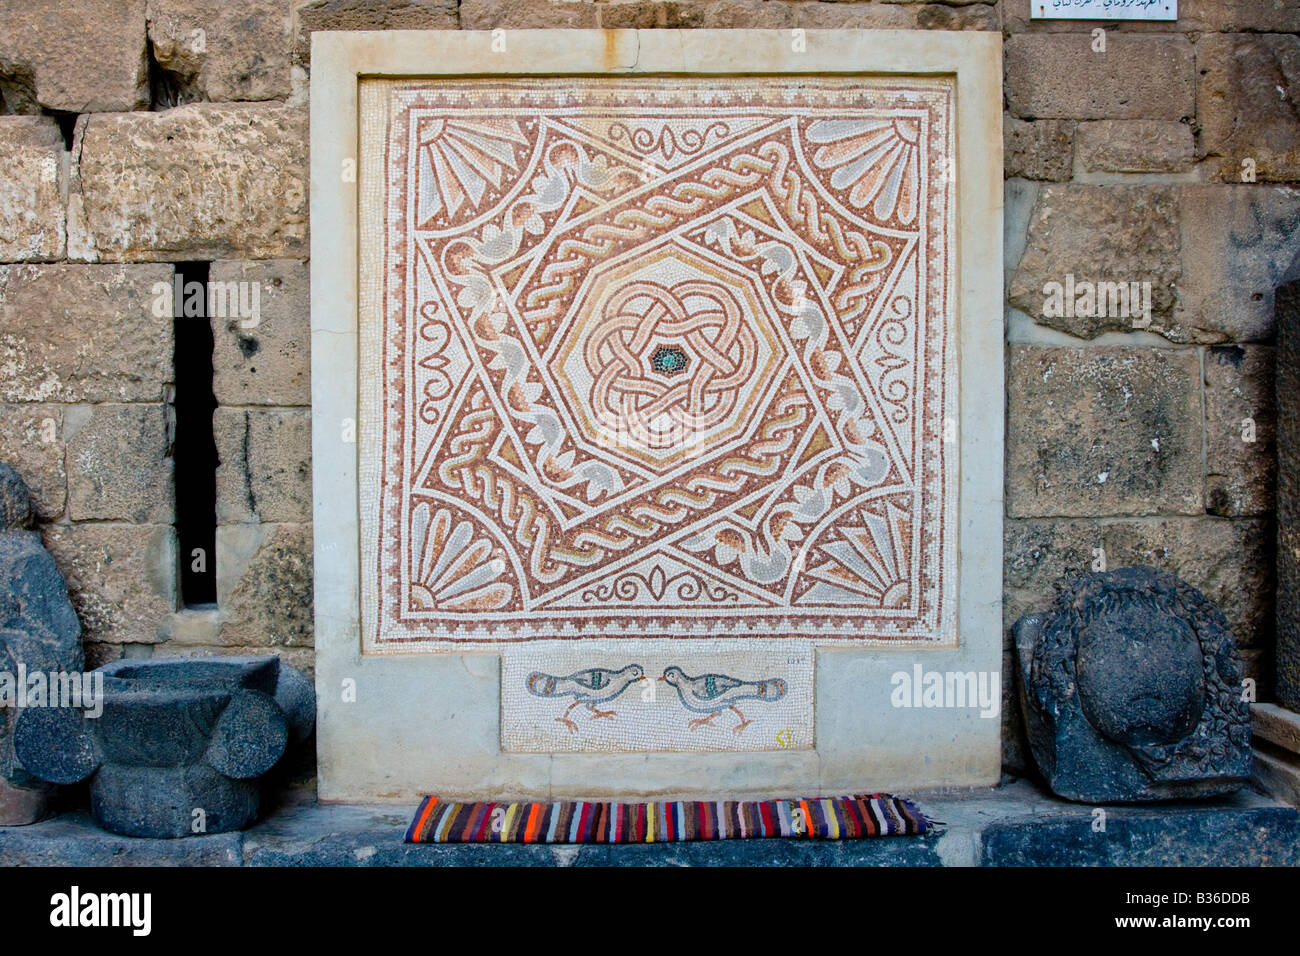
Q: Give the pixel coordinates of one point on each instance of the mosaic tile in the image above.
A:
(627, 696)
(660, 359)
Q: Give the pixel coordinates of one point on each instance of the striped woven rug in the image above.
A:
(576, 821)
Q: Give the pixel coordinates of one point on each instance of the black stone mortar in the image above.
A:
(180, 746)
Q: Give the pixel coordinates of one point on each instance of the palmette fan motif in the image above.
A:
(877, 160)
(868, 562)
(456, 570)
(463, 161)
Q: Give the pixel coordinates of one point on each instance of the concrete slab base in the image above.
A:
(1017, 824)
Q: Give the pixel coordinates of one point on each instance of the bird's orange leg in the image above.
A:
(600, 713)
(573, 728)
(738, 729)
(699, 722)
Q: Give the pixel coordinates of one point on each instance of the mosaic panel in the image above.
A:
(625, 696)
(660, 358)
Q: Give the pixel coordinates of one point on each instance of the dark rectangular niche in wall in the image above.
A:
(195, 448)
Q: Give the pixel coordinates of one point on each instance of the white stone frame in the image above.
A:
(430, 723)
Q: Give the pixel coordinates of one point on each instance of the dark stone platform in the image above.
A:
(1017, 824)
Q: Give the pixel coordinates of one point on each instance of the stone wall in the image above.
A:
(146, 133)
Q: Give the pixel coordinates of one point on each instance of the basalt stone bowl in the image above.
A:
(180, 745)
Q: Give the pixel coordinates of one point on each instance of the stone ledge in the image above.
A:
(1013, 825)
(1277, 725)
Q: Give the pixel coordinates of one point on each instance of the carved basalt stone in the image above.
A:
(1287, 313)
(1131, 688)
(180, 745)
(39, 632)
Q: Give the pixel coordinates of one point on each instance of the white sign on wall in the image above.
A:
(1103, 9)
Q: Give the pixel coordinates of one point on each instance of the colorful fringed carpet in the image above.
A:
(576, 821)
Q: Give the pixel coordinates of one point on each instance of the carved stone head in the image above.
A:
(1132, 690)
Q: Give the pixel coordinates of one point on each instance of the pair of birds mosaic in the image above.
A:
(708, 694)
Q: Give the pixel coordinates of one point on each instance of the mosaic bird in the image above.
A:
(592, 686)
(713, 693)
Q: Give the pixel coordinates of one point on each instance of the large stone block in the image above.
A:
(1101, 234)
(265, 469)
(82, 57)
(83, 333)
(527, 14)
(653, 14)
(1237, 241)
(32, 220)
(1137, 77)
(1240, 424)
(266, 361)
(1135, 146)
(222, 50)
(944, 16)
(814, 15)
(1248, 101)
(208, 181)
(264, 584)
(31, 440)
(119, 463)
(122, 578)
(1103, 431)
(1037, 150)
(1227, 560)
(312, 15)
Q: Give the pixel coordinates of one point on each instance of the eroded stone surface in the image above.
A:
(84, 57)
(857, 16)
(943, 16)
(175, 735)
(1103, 431)
(1288, 489)
(1138, 77)
(32, 217)
(79, 333)
(207, 181)
(122, 578)
(527, 14)
(1111, 234)
(1249, 105)
(313, 15)
(1131, 690)
(1221, 558)
(1135, 146)
(264, 584)
(265, 470)
(38, 631)
(221, 50)
(31, 440)
(267, 361)
(1237, 241)
(1038, 150)
(119, 464)
(1240, 422)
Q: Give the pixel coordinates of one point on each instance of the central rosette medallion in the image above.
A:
(663, 356)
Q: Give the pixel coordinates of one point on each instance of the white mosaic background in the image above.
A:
(649, 714)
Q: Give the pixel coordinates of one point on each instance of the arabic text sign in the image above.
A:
(1103, 9)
